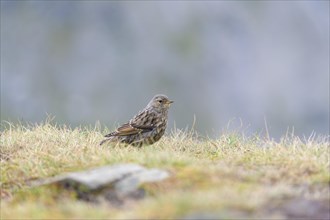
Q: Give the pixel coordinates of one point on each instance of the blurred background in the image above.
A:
(224, 62)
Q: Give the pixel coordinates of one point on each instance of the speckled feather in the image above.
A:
(145, 128)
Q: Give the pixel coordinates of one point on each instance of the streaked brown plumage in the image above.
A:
(145, 128)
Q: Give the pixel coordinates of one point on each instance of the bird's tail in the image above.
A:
(111, 139)
(105, 140)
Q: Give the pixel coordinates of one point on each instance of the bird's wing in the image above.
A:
(143, 127)
(140, 123)
(125, 129)
(144, 120)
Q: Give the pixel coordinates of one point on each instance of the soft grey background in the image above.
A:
(88, 61)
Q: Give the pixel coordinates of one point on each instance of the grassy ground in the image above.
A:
(228, 177)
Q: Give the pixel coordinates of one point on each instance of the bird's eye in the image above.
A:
(160, 101)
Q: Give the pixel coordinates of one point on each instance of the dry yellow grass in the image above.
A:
(231, 176)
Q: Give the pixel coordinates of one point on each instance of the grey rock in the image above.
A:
(100, 177)
(115, 184)
(228, 213)
(308, 209)
(117, 200)
(129, 184)
(201, 216)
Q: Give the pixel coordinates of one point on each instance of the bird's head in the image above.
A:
(160, 102)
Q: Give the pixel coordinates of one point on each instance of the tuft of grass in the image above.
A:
(231, 176)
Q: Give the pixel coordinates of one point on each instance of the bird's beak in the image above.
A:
(168, 103)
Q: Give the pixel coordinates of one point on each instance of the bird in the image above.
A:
(146, 127)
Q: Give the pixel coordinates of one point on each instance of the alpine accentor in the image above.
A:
(145, 128)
